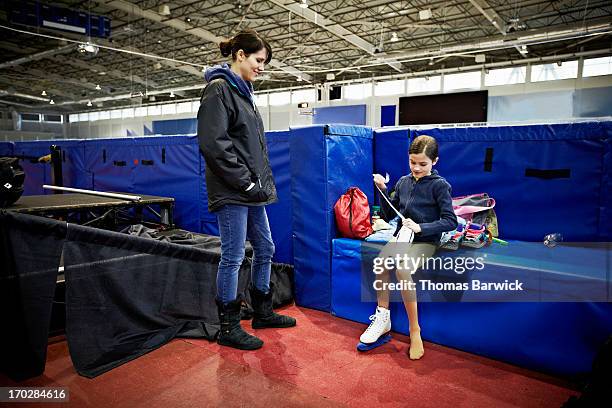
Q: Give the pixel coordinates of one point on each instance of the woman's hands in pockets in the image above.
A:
(256, 194)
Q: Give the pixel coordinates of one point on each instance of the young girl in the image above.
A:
(424, 199)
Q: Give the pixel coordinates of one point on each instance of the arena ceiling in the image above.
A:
(151, 53)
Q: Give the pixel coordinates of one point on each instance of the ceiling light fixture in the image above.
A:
(89, 103)
(51, 102)
(172, 94)
(43, 93)
(88, 48)
(164, 10)
(98, 87)
(394, 37)
(304, 4)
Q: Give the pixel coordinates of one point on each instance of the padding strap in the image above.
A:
(548, 174)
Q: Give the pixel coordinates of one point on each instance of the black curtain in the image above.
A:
(125, 295)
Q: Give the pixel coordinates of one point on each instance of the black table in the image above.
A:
(87, 209)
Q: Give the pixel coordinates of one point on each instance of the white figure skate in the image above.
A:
(377, 332)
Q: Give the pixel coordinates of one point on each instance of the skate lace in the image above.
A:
(375, 322)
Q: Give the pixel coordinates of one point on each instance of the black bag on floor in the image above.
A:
(12, 178)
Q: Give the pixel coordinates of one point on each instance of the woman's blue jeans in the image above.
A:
(236, 223)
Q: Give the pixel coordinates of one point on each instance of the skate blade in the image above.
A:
(369, 346)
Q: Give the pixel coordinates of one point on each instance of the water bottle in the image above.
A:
(552, 240)
(375, 213)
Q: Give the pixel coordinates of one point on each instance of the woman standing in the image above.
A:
(239, 183)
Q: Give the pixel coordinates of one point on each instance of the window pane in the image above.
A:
(140, 111)
(93, 116)
(390, 88)
(183, 107)
(73, 117)
(506, 76)
(358, 91)
(127, 113)
(104, 115)
(597, 66)
(195, 106)
(116, 114)
(30, 117)
(261, 99)
(168, 109)
(83, 117)
(431, 84)
(154, 110)
(52, 118)
(550, 72)
(280, 98)
(304, 95)
(463, 80)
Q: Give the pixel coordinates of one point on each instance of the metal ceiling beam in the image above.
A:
(334, 28)
(486, 10)
(528, 37)
(182, 26)
(37, 56)
(58, 78)
(33, 86)
(113, 72)
(17, 49)
(11, 103)
(22, 95)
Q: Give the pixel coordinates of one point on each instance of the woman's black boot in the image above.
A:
(231, 333)
(263, 315)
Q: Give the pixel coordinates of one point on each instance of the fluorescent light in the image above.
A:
(425, 14)
(172, 94)
(89, 103)
(51, 102)
(98, 87)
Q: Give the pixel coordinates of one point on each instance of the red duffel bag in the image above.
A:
(353, 214)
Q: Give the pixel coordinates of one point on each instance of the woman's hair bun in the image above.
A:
(226, 48)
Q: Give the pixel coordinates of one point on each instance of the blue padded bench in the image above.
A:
(555, 337)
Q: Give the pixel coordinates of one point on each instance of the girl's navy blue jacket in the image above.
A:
(426, 201)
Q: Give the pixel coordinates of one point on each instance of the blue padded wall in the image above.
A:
(325, 162)
(36, 174)
(6, 148)
(605, 220)
(175, 127)
(75, 173)
(531, 206)
(556, 337)
(162, 166)
(280, 213)
(391, 153)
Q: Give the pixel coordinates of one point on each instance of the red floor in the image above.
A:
(312, 365)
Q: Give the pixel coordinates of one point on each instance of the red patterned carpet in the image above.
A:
(312, 365)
